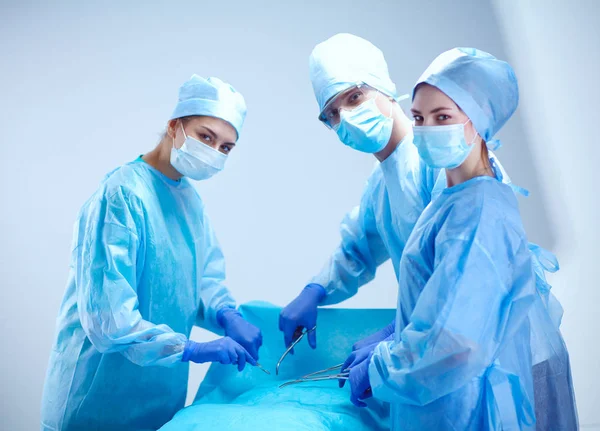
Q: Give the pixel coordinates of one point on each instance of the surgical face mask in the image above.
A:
(196, 160)
(443, 146)
(365, 128)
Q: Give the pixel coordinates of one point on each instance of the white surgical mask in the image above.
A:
(443, 146)
(196, 160)
(365, 128)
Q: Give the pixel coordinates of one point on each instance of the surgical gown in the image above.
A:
(462, 355)
(145, 267)
(396, 194)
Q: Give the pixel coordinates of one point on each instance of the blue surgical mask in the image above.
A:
(443, 146)
(365, 128)
(196, 160)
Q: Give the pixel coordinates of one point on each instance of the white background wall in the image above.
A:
(555, 48)
(85, 88)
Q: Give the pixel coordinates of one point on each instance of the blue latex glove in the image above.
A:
(359, 356)
(224, 350)
(377, 337)
(302, 313)
(360, 386)
(242, 331)
(355, 358)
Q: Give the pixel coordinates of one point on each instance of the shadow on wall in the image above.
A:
(517, 157)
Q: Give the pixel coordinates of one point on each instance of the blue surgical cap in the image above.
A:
(211, 97)
(484, 87)
(344, 60)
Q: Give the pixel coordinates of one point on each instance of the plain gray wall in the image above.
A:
(87, 87)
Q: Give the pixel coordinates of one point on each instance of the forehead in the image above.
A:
(427, 96)
(221, 128)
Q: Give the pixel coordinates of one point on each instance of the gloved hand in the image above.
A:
(302, 313)
(355, 358)
(242, 331)
(360, 386)
(377, 337)
(224, 350)
(359, 356)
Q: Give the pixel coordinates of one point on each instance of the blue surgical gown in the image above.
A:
(396, 194)
(145, 267)
(461, 358)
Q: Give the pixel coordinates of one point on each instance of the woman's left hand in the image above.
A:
(242, 331)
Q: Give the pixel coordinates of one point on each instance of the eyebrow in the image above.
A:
(214, 135)
(441, 108)
(209, 130)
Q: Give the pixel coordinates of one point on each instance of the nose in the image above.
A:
(215, 146)
(429, 121)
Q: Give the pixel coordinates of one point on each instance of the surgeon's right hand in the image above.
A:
(358, 356)
(376, 337)
(223, 350)
(300, 314)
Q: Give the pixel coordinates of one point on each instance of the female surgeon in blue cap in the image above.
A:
(145, 267)
(477, 344)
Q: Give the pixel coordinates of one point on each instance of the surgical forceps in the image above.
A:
(316, 377)
(289, 349)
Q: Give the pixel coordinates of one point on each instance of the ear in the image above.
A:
(171, 128)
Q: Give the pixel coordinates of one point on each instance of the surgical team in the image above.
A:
(475, 343)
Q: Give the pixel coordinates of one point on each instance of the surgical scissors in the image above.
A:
(289, 349)
(315, 377)
(260, 367)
